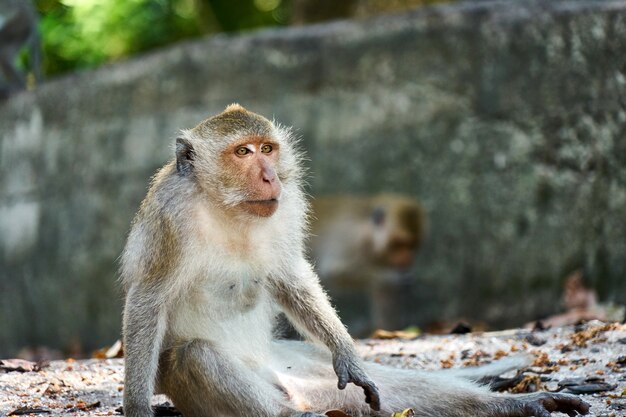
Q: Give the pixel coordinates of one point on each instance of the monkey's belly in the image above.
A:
(229, 326)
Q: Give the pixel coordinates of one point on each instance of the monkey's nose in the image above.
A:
(268, 176)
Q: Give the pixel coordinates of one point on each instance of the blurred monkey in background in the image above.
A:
(363, 248)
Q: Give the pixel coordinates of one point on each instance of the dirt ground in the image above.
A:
(589, 360)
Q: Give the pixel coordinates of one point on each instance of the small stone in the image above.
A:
(534, 340)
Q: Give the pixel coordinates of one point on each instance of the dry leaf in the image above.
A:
(21, 365)
(396, 334)
(500, 354)
(530, 383)
(405, 413)
(336, 413)
(22, 411)
(115, 351)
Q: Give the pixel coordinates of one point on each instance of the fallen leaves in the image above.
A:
(473, 359)
(405, 413)
(82, 406)
(407, 334)
(115, 351)
(336, 413)
(22, 411)
(580, 339)
(21, 365)
(589, 385)
(530, 383)
(448, 362)
(541, 359)
(500, 354)
(54, 388)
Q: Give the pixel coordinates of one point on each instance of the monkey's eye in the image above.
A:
(266, 148)
(242, 150)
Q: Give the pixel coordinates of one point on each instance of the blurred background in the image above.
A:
(467, 159)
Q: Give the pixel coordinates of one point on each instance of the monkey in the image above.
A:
(363, 247)
(384, 230)
(18, 29)
(214, 253)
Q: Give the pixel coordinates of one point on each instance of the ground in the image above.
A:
(588, 359)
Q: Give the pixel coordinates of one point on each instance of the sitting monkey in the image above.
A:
(214, 254)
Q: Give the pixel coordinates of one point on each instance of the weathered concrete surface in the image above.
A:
(507, 119)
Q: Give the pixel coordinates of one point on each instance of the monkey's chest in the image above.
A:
(234, 293)
(231, 294)
(228, 311)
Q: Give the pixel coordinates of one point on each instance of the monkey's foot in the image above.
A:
(542, 404)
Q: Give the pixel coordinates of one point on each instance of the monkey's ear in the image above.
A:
(184, 156)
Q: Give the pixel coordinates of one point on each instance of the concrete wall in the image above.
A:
(507, 119)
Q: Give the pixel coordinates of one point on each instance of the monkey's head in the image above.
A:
(240, 160)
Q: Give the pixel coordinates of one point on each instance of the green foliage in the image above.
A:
(86, 33)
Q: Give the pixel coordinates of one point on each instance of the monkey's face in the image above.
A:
(250, 170)
(395, 248)
(396, 234)
(239, 160)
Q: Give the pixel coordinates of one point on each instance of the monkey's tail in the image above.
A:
(486, 372)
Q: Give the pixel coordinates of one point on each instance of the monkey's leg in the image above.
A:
(440, 394)
(204, 382)
(304, 371)
(310, 381)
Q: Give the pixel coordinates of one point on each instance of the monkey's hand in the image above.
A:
(541, 404)
(349, 369)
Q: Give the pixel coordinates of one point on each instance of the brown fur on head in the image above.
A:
(239, 158)
(234, 121)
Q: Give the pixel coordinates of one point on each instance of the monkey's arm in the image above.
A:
(148, 271)
(144, 327)
(306, 305)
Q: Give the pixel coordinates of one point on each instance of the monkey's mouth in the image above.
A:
(262, 208)
(269, 202)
